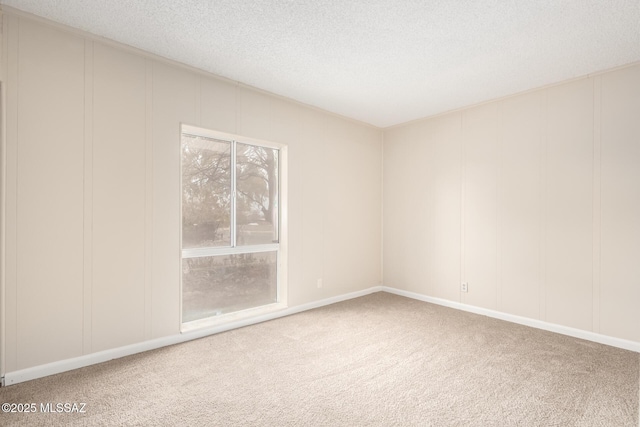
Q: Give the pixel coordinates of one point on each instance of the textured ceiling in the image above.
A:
(382, 62)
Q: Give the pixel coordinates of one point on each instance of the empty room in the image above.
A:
(381, 213)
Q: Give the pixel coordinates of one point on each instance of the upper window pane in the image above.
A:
(206, 192)
(257, 194)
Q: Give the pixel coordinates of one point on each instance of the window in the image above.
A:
(230, 224)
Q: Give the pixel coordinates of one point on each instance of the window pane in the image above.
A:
(206, 192)
(257, 194)
(226, 283)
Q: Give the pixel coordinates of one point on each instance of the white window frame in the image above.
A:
(280, 248)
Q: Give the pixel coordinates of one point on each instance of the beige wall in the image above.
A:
(92, 191)
(533, 200)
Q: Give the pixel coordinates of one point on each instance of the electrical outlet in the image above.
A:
(319, 283)
(464, 287)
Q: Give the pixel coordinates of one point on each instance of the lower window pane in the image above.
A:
(226, 283)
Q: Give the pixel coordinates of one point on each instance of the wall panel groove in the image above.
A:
(597, 206)
(88, 197)
(10, 38)
(148, 201)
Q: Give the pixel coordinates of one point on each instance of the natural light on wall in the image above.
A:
(231, 255)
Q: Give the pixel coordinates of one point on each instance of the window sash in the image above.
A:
(198, 132)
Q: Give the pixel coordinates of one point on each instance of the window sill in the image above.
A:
(233, 320)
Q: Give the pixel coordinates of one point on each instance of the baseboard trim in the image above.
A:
(53, 368)
(538, 324)
(45, 370)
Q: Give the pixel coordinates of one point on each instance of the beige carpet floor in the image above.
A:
(379, 360)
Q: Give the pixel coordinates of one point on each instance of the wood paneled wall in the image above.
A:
(93, 190)
(534, 200)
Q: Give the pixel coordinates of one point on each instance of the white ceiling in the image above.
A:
(382, 62)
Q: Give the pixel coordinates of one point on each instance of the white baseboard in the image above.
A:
(106, 355)
(538, 324)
